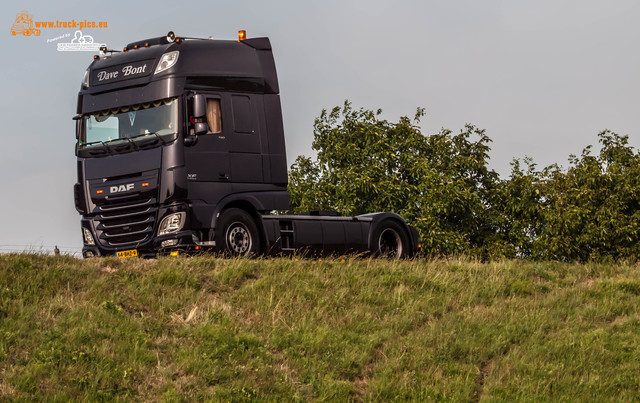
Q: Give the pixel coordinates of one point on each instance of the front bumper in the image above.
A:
(184, 240)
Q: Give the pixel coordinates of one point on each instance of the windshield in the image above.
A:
(138, 122)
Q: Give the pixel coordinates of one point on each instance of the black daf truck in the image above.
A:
(180, 148)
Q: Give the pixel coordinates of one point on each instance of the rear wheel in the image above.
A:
(237, 233)
(390, 240)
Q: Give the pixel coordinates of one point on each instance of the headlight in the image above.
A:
(88, 238)
(85, 79)
(166, 61)
(171, 223)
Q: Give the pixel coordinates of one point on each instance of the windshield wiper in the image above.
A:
(113, 148)
(133, 143)
(98, 142)
(128, 140)
(150, 142)
(158, 136)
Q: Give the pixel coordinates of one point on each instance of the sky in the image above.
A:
(542, 77)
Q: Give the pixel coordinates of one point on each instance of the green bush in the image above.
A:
(442, 185)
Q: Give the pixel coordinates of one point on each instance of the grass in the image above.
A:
(340, 329)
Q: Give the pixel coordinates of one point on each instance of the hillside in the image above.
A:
(338, 329)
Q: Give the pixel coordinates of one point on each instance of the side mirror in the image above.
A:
(78, 128)
(78, 119)
(201, 128)
(199, 112)
(199, 106)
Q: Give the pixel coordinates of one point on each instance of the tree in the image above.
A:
(439, 183)
(442, 185)
(592, 211)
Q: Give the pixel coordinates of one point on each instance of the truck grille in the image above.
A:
(126, 224)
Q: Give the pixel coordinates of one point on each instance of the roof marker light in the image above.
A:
(96, 57)
(146, 45)
(242, 35)
(125, 49)
(135, 46)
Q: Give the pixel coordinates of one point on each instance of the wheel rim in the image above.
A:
(238, 238)
(390, 243)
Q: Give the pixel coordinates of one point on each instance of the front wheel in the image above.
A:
(237, 233)
(390, 240)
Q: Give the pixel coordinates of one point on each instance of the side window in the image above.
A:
(242, 116)
(214, 116)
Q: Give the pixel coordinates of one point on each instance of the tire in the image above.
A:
(390, 240)
(237, 234)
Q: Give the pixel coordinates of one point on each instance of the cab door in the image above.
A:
(208, 159)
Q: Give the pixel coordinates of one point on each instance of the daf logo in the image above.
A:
(121, 188)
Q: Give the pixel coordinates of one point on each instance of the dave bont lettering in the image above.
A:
(107, 75)
(126, 71)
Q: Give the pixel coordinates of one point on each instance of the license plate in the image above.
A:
(127, 253)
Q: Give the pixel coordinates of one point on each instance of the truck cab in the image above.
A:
(180, 148)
